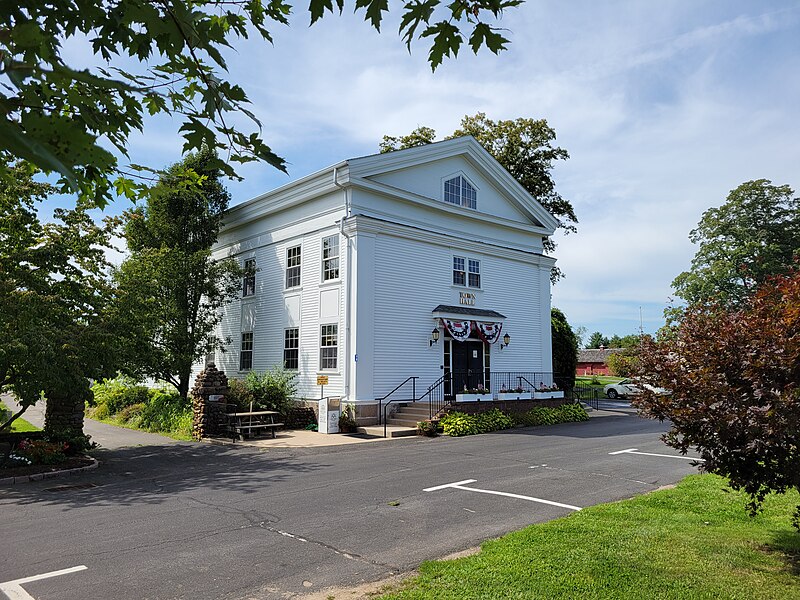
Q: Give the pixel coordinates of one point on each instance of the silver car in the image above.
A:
(626, 389)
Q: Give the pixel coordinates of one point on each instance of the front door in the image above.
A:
(467, 366)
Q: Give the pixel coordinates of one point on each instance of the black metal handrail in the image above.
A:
(436, 398)
(382, 407)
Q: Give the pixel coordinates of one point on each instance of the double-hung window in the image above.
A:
(246, 353)
(460, 192)
(249, 279)
(474, 273)
(459, 272)
(291, 348)
(292, 267)
(330, 258)
(329, 347)
(466, 272)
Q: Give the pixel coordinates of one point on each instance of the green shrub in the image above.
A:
(239, 394)
(132, 414)
(118, 393)
(166, 411)
(457, 424)
(70, 443)
(273, 389)
(427, 428)
(347, 419)
(493, 420)
(99, 411)
(543, 415)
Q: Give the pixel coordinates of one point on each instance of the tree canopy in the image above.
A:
(753, 235)
(565, 348)
(54, 296)
(166, 57)
(525, 147)
(171, 290)
(596, 340)
(734, 377)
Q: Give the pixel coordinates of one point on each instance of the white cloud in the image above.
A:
(664, 107)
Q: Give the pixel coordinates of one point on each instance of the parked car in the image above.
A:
(626, 388)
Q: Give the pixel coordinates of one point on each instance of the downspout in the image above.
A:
(349, 283)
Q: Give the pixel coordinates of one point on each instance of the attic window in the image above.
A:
(460, 192)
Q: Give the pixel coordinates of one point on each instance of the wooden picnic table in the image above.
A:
(250, 423)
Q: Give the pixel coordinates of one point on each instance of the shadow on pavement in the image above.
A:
(150, 474)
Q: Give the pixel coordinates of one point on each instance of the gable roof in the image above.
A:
(596, 355)
(356, 171)
(468, 147)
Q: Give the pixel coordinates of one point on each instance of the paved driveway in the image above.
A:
(200, 521)
(109, 437)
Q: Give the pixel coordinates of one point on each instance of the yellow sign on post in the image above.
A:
(322, 380)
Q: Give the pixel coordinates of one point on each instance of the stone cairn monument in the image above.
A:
(208, 403)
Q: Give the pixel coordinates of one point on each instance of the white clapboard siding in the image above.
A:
(413, 277)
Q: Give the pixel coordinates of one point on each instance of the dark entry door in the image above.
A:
(467, 365)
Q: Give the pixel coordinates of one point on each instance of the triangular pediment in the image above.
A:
(422, 172)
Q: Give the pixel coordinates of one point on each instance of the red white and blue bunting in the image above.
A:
(489, 332)
(460, 330)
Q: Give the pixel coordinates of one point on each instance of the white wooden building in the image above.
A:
(360, 263)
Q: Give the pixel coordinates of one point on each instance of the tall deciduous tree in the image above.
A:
(525, 147)
(171, 289)
(755, 234)
(734, 376)
(54, 294)
(565, 348)
(165, 56)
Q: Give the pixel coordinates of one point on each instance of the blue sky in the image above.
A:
(664, 107)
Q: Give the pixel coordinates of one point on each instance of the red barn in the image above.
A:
(594, 361)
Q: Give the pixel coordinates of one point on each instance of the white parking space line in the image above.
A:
(460, 485)
(634, 451)
(13, 589)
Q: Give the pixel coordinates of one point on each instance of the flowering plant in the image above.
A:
(547, 388)
(40, 452)
(516, 390)
(476, 390)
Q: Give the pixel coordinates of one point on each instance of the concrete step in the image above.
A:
(392, 431)
(422, 411)
(403, 421)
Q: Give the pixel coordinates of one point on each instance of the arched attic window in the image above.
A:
(459, 191)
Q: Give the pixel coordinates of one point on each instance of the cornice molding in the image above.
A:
(362, 224)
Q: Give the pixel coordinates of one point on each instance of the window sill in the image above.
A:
(464, 288)
(293, 290)
(330, 282)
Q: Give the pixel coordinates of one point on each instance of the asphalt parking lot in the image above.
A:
(200, 521)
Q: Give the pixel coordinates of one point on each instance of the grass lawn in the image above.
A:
(694, 541)
(22, 426)
(603, 379)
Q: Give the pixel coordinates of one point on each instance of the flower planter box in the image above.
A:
(472, 397)
(514, 396)
(548, 395)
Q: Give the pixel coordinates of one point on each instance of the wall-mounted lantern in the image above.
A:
(506, 341)
(434, 337)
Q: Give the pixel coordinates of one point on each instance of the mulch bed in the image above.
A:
(71, 463)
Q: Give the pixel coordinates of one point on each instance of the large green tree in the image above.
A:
(525, 147)
(55, 331)
(596, 340)
(565, 348)
(171, 289)
(166, 56)
(753, 235)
